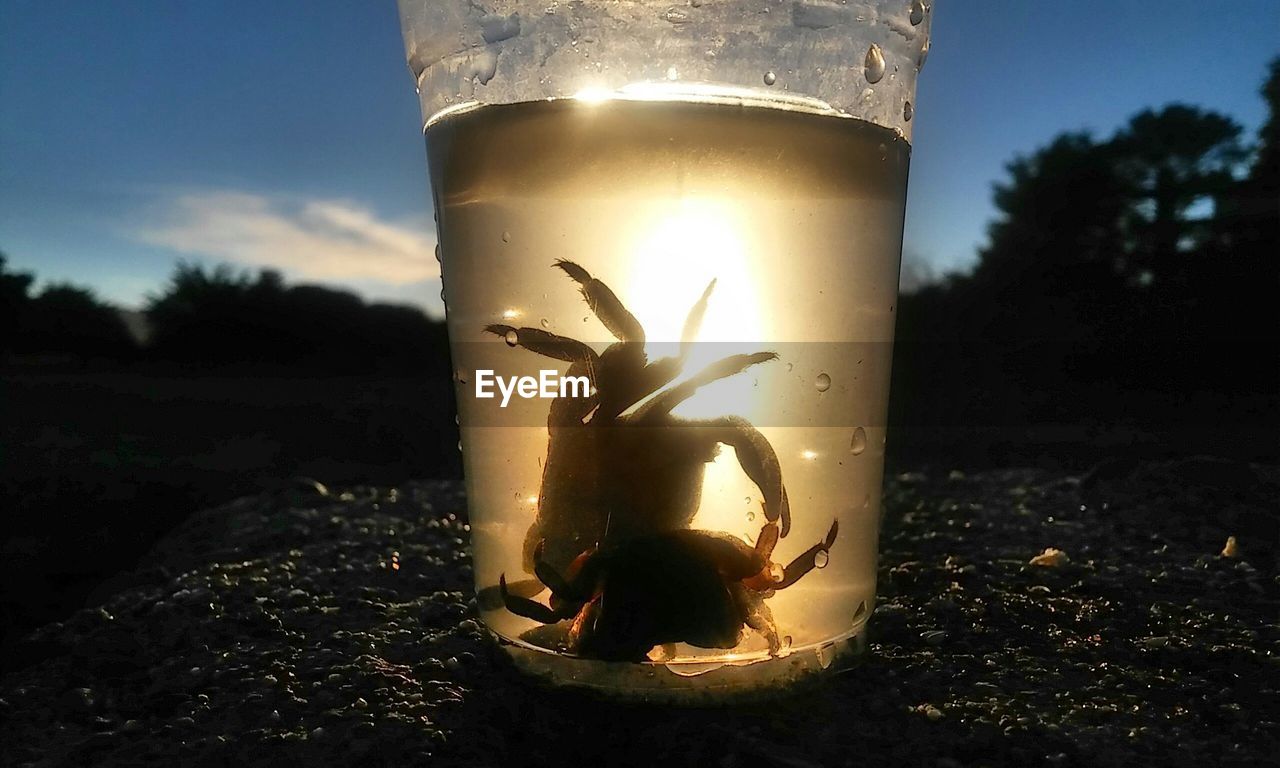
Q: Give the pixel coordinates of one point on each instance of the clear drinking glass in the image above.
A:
(670, 241)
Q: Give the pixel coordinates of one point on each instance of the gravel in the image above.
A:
(321, 627)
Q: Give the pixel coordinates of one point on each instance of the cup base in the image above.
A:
(689, 682)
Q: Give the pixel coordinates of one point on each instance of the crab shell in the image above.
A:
(703, 588)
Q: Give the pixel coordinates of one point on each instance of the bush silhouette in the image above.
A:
(13, 303)
(62, 319)
(220, 317)
(68, 319)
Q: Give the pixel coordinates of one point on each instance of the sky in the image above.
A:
(287, 133)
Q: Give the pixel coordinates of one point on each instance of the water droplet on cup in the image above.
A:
(917, 12)
(789, 367)
(873, 65)
(823, 382)
(545, 323)
(512, 338)
(907, 110)
(437, 253)
(859, 442)
(770, 78)
(924, 54)
(506, 237)
(785, 649)
(751, 516)
(673, 73)
(821, 558)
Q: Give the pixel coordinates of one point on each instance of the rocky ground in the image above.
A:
(316, 627)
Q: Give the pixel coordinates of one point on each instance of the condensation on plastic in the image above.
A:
(857, 58)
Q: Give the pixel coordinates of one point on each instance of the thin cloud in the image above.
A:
(317, 240)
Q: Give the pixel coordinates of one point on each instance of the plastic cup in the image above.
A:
(670, 241)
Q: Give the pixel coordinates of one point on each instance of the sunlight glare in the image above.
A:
(685, 243)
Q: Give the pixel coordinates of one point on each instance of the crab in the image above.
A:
(698, 587)
(619, 464)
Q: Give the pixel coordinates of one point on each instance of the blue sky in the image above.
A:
(135, 133)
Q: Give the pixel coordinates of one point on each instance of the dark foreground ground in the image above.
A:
(276, 630)
(96, 465)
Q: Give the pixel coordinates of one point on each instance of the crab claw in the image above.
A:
(777, 577)
(523, 606)
(561, 587)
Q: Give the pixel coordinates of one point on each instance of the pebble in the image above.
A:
(1051, 558)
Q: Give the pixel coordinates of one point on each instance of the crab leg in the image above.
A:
(659, 373)
(547, 344)
(547, 575)
(575, 587)
(582, 622)
(693, 323)
(767, 541)
(605, 304)
(523, 606)
(807, 561)
(490, 598)
(648, 380)
(758, 616)
(571, 411)
(758, 460)
(721, 369)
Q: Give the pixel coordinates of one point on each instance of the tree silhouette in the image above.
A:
(1248, 216)
(1266, 167)
(13, 304)
(1057, 235)
(1120, 277)
(220, 317)
(1173, 159)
